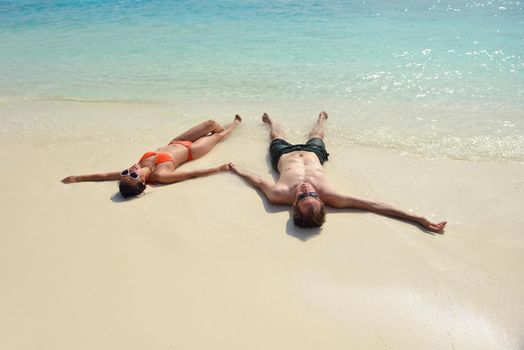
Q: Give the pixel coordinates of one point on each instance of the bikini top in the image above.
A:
(161, 157)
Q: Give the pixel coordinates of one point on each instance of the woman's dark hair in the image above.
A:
(311, 218)
(129, 190)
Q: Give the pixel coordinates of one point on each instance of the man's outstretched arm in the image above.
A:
(256, 181)
(341, 201)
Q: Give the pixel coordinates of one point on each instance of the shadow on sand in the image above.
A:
(118, 198)
(302, 234)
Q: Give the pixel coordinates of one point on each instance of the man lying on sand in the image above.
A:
(303, 184)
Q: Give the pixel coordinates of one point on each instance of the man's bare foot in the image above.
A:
(238, 119)
(322, 116)
(266, 119)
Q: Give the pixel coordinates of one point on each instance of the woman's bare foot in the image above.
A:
(228, 129)
(266, 119)
(322, 116)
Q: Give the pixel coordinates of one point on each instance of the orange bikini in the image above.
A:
(186, 144)
(162, 157)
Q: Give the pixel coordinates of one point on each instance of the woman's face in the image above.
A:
(133, 174)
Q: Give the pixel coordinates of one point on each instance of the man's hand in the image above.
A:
(233, 168)
(70, 179)
(433, 227)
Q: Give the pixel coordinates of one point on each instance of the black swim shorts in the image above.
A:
(279, 147)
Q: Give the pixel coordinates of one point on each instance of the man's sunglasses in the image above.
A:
(307, 194)
(132, 174)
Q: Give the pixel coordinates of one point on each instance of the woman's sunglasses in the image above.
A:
(307, 194)
(132, 174)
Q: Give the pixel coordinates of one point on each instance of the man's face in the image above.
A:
(307, 200)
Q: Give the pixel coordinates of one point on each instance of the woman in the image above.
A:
(160, 166)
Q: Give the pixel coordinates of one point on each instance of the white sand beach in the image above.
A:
(209, 264)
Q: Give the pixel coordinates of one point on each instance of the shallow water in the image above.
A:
(443, 79)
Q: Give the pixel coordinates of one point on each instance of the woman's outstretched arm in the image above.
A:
(111, 176)
(177, 175)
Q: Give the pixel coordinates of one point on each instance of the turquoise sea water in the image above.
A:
(438, 77)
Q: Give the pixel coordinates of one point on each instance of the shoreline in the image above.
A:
(355, 125)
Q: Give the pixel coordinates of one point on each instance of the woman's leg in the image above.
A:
(202, 129)
(204, 144)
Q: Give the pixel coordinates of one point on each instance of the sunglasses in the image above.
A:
(307, 194)
(132, 174)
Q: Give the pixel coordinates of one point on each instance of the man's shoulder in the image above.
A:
(281, 189)
(280, 194)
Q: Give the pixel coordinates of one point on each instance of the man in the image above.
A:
(303, 183)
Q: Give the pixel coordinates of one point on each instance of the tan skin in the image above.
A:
(301, 172)
(204, 136)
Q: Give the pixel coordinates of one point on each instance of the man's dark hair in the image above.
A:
(129, 190)
(311, 218)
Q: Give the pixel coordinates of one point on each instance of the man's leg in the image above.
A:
(318, 129)
(275, 130)
(278, 144)
(316, 138)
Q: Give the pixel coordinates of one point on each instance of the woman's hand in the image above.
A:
(70, 179)
(224, 167)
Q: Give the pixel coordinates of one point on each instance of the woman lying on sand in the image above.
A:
(160, 166)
